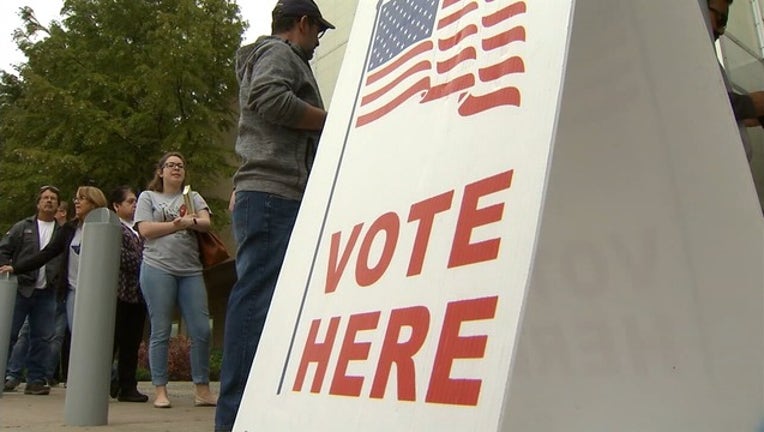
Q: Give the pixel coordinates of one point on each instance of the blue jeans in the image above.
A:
(40, 308)
(20, 353)
(262, 226)
(162, 292)
(69, 306)
(57, 341)
(18, 359)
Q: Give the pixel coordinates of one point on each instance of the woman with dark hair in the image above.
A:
(131, 310)
(171, 274)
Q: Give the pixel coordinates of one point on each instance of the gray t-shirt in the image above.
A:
(176, 253)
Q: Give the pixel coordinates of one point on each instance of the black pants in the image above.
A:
(128, 331)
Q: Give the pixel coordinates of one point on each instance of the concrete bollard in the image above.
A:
(95, 303)
(8, 286)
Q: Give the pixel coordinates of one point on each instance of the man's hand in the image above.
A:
(314, 118)
(6, 269)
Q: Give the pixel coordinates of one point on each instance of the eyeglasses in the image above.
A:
(80, 198)
(721, 18)
(171, 165)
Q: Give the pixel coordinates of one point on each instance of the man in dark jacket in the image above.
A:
(36, 297)
(281, 118)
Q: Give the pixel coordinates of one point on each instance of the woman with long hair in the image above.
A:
(171, 273)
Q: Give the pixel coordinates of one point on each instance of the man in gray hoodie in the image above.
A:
(280, 122)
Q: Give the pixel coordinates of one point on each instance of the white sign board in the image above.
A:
(400, 301)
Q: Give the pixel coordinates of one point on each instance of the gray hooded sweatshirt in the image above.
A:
(276, 84)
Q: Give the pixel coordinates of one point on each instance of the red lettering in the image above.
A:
(335, 270)
(417, 318)
(444, 389)
(462, 251)
(351, 350)
(425, 211)
(316, 352)
(390, 224)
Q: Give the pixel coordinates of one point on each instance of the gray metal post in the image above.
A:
(8, 287)
(90, 358)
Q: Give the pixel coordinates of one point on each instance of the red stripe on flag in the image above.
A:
(419, 67)
(446, 44)
(477, 104)
(418, 49)
(421, 85)
(457, 15)
(508, 66)
(502, 14)
(512, 35)
(466, 54)
(453, 86)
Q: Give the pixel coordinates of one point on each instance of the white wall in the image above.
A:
(330, 52)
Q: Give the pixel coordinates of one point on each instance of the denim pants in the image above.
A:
(20, 354)
(262, 226)
(18, 359)
(57, 342)
(162, 292)
(40, 309)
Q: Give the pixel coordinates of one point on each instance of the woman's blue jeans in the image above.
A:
(162, 292)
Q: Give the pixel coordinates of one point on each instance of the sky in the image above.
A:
(257, 12)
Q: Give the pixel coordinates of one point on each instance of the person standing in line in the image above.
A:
(280, 122)
(69, 239)
(60, 326)
(62, 213)
(36, 299)
(131, 310)
(20, 353)
(171, 274)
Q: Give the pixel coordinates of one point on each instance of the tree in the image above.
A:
(109, 89)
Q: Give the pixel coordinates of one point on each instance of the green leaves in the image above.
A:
(108, 90)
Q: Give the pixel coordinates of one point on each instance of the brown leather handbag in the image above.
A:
(212, 251)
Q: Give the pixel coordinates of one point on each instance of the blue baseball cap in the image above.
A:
(298, 8)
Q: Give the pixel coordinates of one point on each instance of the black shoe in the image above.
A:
(52, 382)
(132, 396)
(37, 389)
(114, 389)
(11, 384)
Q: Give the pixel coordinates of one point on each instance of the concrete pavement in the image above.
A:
(20, 412)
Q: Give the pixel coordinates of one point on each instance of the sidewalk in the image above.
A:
(20, 412)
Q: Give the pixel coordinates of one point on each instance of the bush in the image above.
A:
(178, 361)
(143, 374)
(178, 358)
(216, 361)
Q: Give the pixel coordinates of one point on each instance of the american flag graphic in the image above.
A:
(428, 49)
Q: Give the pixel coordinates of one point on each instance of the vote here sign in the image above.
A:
(399, 301)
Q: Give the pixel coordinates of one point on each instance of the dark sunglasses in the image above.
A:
(50, 188)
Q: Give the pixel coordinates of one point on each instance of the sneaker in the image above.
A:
(37, 389)
(11, 384)
(52, 382)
